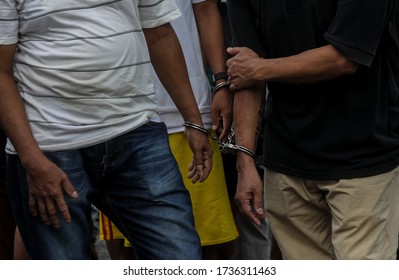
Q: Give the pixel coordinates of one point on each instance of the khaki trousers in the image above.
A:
(344, 219)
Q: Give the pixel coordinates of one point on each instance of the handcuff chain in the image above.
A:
(228, 146)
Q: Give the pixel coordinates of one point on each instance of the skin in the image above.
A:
(210, 30)
(247, 72)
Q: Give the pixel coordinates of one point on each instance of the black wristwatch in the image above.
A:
(219, 76)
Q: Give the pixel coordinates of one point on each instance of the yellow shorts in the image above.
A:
(212, 213)
(108, 231)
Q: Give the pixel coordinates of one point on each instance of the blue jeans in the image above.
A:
(134, 180)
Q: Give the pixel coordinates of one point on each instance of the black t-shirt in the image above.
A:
(344, 128)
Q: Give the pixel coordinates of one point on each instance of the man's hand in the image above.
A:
(47, 182)
(242, 68)
(222, 112)
(249, 195)
(201, 165)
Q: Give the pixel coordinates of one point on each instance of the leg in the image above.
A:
(397, 253)
(118, 247)
(144, 194)
(7, 222)
(118, 251)
(254, 242)
(70, 241)
(221, 251)
(365, 216)
(213, 216)
(299, 217)
(19, 248)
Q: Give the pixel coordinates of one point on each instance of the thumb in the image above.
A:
(215, 120)
(233, 51)
(258, 204)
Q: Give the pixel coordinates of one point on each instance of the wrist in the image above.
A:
(196, 127)
(244, 161)
(219, 77)
(193, 117)
(219, 86)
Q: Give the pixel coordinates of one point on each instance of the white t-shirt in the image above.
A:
(187, 32)
(82, 66)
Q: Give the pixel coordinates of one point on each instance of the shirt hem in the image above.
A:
(325, 176)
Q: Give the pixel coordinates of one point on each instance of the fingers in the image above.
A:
(32, 206)
(207, 167)
(193, 174)
(226, 128)
(222, 113)
(48, 202)
(215, 120)
(233, 51)
(199, 173)
(248, 211)
(51, 214)
(258, 206)
(221, 125)
(63, 208)
(250, 201)
(233, 78)
(233, 86)
(241, 67)
(69, 189)
(47, 210)
(202, 155)
(201, 166)
(61, 204)
(198, 163)
(42, 210)
(245, 207)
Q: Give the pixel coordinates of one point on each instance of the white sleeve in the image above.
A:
(157, 12)
(197, 1)
(9, 22)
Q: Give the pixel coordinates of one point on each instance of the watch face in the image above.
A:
(219, 76)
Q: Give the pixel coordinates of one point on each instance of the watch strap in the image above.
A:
(219, 76)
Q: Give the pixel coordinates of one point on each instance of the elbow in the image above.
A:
(350, 67)
(345, 67)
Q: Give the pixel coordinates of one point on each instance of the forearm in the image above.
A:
(13, 118)
(311, 66)
(210, 29)
(169, 64)
(248, 111)
(247, 118)
(209, 24)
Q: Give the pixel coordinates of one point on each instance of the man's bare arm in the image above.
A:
(248, 110)
(210, 29)
(46, 181)
(169, 64)
(316, 65)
